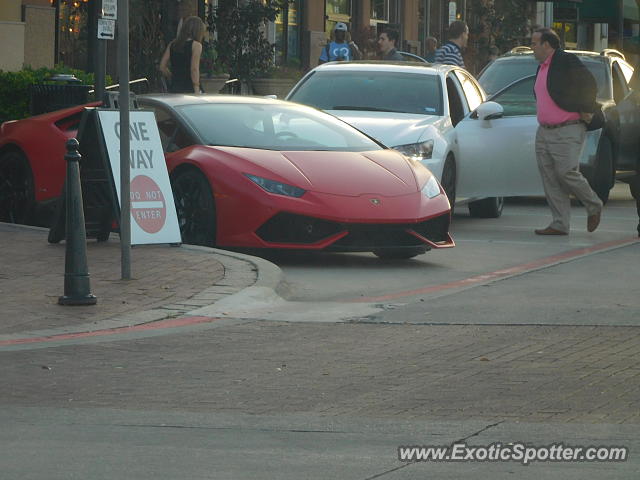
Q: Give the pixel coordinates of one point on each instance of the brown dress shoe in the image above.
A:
(549, 231)
(593, 221)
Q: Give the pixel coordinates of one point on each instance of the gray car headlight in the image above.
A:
(431, 189)
(278, 188)
(416, 151)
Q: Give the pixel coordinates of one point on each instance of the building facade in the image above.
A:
(43, 32)
(27, 31)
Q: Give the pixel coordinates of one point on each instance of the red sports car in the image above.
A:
(253, 172)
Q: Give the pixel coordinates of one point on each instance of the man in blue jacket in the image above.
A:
(565, 93)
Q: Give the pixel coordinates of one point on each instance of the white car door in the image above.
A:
(496, 158)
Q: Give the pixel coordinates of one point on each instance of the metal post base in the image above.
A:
(68, 300)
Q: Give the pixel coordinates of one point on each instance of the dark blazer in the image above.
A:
(570, 84)
(393, 55)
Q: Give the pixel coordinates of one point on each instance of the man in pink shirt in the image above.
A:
(566, 99)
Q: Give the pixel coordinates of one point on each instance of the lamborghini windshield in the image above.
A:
(273, 127)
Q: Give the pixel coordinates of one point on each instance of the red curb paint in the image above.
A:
(503, 273)
(161, 324)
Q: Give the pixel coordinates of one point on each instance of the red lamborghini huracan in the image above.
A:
(253, 172)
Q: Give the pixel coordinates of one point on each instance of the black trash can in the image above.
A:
(62, 91)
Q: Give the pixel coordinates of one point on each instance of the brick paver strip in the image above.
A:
(150, 326)
(504, 273)
(32, 279)
(449, 372)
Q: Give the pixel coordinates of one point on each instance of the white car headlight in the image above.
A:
(278, 188)
(416, 151)
(431, 189)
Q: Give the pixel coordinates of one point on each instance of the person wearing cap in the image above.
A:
(341, 47)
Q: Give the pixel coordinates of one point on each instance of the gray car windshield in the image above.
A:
(506, 70)
(273, 127)
(372, 91)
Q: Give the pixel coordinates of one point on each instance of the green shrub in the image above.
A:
(242, 48)
(14, 96)
(14, 88)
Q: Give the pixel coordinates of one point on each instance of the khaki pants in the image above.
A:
(558, 153)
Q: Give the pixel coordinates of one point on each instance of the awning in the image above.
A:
(608, 10)
(631, 10)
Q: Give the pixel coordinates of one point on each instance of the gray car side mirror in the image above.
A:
(490, 111)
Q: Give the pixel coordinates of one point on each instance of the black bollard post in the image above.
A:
(77, 290)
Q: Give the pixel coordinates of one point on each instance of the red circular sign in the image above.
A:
(148, 207)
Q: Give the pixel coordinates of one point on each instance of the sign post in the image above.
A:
(105, 30)
(125, 176)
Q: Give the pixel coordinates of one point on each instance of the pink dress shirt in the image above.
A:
(549, 113)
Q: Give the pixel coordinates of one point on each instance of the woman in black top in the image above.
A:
(180, 63)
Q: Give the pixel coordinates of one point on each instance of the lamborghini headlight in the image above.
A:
(278, 188)
(417, 151)
(431, 189)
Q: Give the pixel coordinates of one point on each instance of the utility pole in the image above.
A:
(125, 140)
(621, 25)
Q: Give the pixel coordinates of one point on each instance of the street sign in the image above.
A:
(110, 9)
(106, 29)
(148, 206)
(151, 197)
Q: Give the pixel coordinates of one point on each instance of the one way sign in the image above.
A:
(106, 29)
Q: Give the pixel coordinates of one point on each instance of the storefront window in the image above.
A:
(380, 10)
(567, 32)
(385, 14)
(73, 33)
(338, 7)
(337, 11)
(288, 34)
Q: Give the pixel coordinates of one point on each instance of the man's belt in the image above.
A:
(563, 124)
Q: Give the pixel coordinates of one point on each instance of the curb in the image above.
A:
(268, 274)
(242, 273)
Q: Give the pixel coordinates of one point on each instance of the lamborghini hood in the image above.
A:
(383, 172)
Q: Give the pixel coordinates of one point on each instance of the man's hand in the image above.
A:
(586, 117)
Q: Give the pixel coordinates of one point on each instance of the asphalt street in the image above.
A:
(506, 338)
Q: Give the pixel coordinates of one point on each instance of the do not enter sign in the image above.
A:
(148, 207)
(152, 207)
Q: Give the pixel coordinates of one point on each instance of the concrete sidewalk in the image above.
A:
(167, 282)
